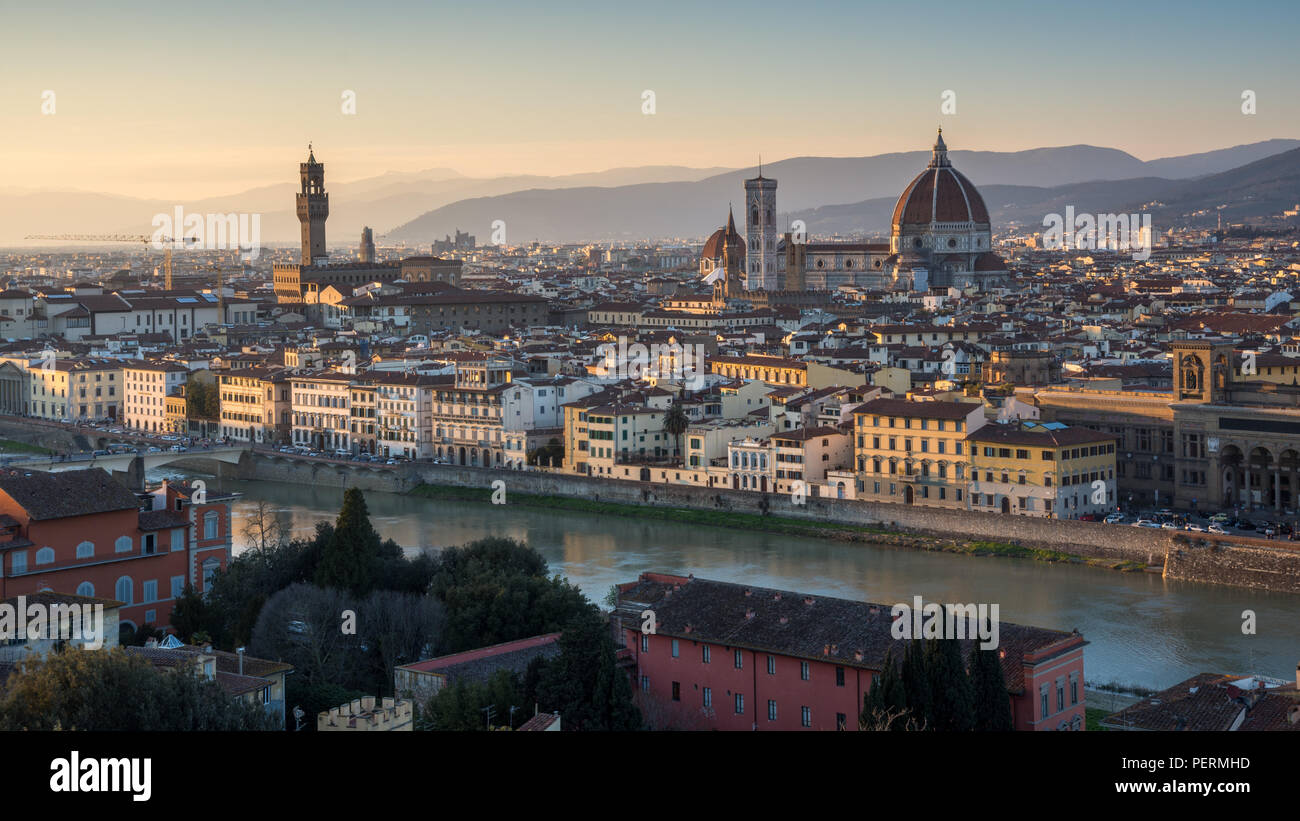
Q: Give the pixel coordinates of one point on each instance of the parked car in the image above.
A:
(1217, 529)
(1115, 518)
(1195, 528)
(1145, 523)
(1169, 526)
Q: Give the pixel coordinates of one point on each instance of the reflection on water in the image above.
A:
(1142, 629)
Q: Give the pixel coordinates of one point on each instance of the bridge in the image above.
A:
(123, 462)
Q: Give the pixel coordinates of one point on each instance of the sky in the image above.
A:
(201, 99)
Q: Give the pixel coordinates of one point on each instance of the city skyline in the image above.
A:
(151, 112)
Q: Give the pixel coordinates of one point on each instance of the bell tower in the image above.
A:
(313, 209)
(761, 233)
(1203, 370)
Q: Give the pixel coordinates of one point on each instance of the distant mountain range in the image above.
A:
(840, 194)
(833, 195)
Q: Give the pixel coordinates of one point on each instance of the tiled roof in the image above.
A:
(71, 493)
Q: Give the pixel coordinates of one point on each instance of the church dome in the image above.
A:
(940, 193)
(718, 239)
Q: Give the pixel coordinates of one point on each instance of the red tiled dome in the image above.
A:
(940, 193)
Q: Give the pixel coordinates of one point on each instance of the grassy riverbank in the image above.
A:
(769, 524)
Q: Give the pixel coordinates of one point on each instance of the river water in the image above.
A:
(1142, 630)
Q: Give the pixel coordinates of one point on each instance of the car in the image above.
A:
(1169, 526)
(177, 448)
(1245, 524)
(391, 462)
(1195, 528)
(1220, 518)
(1144, 523)
(1217, 529)
(154, 449)
(1114, 518)
(1088, 517)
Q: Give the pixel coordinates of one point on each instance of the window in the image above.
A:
(149, 543)
(85, 589)
(645, 643)
(1060, 696)
(676, 649)
(1043, 704)
(677, 691)
(1074, 690)
(740, 704)
(18, 564)
(178, 539)
(771, 665)
(708, 698)
(806, 716)
(645, 684)
(804, 672)
(839, 676)
(740, 661)
(178, 586)
(840, 721)
(771, 710)
(150, 591)
(45, 555)
(705, 653)
(86, 550)
(124, 591)
(123, 544)
(210, 568)
(210, 525)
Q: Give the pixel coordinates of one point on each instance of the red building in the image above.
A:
(735, 657)
(82, 532)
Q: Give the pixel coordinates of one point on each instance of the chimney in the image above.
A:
(749, 614)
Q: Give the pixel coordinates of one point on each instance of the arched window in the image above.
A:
(124, 590)
(122, 545)
(86, 550)
(45, 555)
(85, 589)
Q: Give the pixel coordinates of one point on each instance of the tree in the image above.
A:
(113, 690)
(952, 706)
(886, 696)
(264, 528)
(398, 628)
(352, 554)
(992, 706)
(675, 423)
(584, 684)
(497, 590)
(916, 683)
(462, 706)
(304, 626)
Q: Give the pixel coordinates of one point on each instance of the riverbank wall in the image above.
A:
(1177, 555)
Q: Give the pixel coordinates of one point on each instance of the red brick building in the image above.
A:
(82, 532)
(735, 657)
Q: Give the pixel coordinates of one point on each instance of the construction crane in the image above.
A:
(147, 240)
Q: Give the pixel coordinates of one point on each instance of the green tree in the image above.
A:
(992, 705)
(886, 694)
(584, 684)
(953, 704)
(115, 690)
(462, 706)
(675, 423)
(916, 684)
(352, 555)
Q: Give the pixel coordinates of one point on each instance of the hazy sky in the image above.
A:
(184, 99)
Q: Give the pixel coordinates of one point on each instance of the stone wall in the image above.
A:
(1202, 559)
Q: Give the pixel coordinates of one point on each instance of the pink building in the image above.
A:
(735, 657)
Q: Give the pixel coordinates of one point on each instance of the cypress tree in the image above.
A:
(351, 554)
(886, 693)
(989, 688)
(916, 685)
(953, 702)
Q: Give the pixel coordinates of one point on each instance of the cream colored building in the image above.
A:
(147, 385)
(366, 715)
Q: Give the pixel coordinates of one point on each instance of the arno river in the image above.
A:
(1142, 629)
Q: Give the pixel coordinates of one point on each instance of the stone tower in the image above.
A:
(313, 209)
(1203, 369)
(728, 284)
(366, 253)
(760, 233)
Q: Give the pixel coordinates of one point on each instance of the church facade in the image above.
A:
(940, 236)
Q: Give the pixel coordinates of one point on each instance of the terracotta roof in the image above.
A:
(71, 493)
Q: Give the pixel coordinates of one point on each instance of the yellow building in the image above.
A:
(782, 371)
(914, 452)
(365, 715)
(1049, 471)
